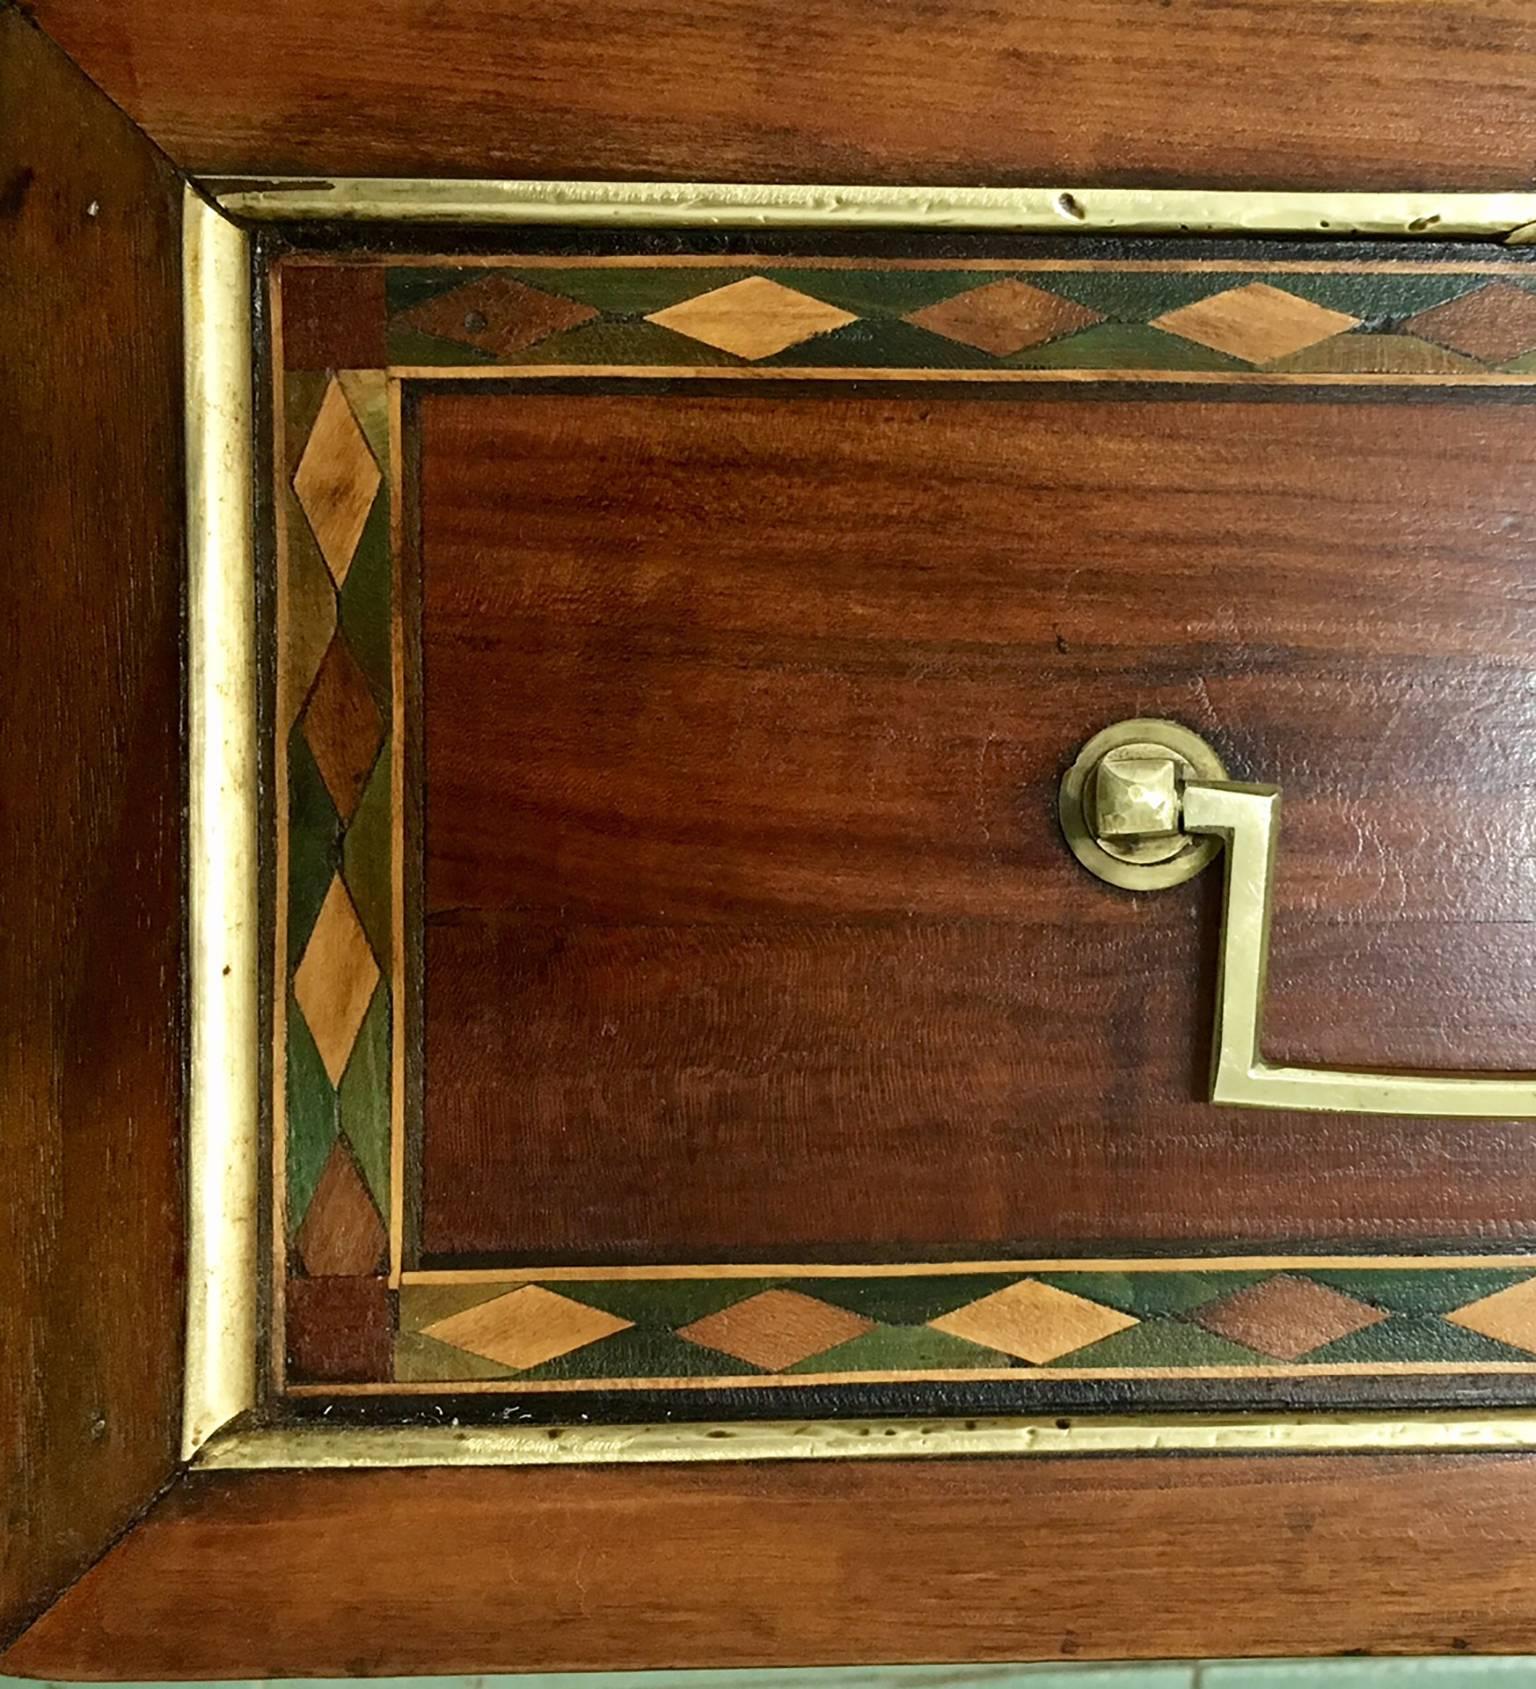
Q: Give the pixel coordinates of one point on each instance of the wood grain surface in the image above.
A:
(343, 1574)
(90, 820)
(1309, 94)
(749, 931)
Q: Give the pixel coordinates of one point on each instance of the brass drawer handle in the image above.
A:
(1147, 804)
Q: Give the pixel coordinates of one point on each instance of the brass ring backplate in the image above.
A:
(1165, 856)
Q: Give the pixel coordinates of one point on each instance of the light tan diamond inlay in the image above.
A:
(753, 318)
(776, 1329)
(1035, 1321)
(336, 481)
(1508, 1316)
(526, 1327)
(1256, 323)
(335, 979)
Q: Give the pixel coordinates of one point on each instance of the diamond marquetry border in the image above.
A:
(351, 1315)
(1445, 322)
(338, 987)
(702, 1327)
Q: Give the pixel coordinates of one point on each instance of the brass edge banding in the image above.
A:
(223, 1035)
(856, 1439)
(758, 205)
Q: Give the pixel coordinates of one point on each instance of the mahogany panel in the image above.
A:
(90, 820)
(342, 1574)
(1348, 94)
(748, 925)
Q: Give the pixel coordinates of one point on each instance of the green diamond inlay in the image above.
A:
(313, 1117)
(364, 1097)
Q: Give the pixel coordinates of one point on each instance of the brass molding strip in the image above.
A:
(861, 1439)
(1087, 210)
(222, 1088)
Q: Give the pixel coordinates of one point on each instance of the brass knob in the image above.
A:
(1122, 804)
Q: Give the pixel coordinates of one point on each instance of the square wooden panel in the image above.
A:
(683, 988)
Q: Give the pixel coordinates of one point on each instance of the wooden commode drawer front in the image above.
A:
(684, 985)
(673, 820)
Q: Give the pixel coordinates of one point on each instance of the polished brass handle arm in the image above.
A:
(1244, 822)
(1247, 821)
